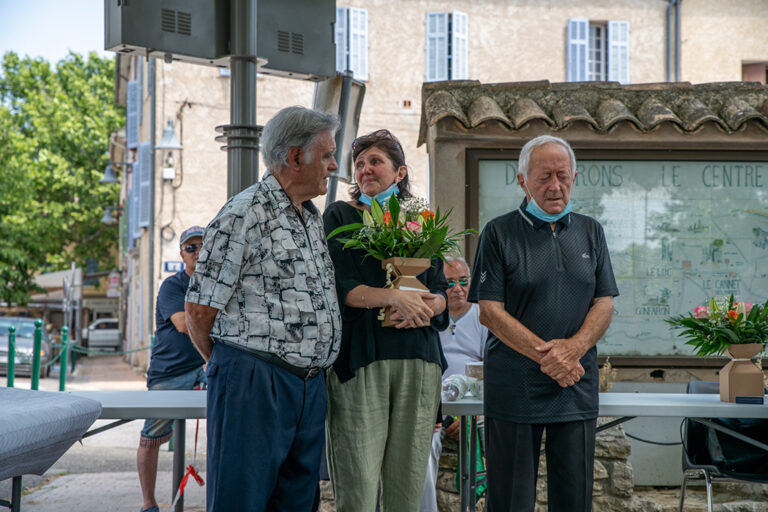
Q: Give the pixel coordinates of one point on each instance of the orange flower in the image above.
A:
(387, 218)
(733, 314)
(427, 214)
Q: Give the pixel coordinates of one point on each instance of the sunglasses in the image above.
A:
(464, 281)
(191, 248)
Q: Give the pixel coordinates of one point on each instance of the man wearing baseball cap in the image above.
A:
(174, 363)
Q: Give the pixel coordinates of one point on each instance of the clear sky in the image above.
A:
(50, 28)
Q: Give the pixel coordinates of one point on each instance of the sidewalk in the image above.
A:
(99, 475)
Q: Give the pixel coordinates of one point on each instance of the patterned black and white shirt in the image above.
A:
(268, 271)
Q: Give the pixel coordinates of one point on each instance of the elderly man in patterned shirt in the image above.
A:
(262, 310)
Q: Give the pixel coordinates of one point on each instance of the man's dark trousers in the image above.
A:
(266, 429)
(513, 461)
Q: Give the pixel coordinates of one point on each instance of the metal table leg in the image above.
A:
(472, 462)
(16, 494)
(463, 473)
(179, 436)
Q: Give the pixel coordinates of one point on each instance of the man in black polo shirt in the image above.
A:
(545, 286)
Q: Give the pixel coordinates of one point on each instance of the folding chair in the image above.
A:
(704, 457)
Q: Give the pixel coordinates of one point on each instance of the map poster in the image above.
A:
(679, 232)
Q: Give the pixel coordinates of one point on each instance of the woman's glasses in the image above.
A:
(191, 248)
(464, 281)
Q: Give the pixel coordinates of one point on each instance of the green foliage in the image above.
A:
(711, 329)
(55, 125)
(408, 229)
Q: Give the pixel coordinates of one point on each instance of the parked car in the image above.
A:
(25, 332)
(103, 333)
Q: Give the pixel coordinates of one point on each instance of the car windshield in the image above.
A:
(24, 328)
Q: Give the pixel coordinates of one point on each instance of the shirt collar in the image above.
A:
(280, 198)
(536, 222)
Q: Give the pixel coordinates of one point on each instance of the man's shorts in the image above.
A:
(158, 431)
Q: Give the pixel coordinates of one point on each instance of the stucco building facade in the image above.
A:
(402, 44)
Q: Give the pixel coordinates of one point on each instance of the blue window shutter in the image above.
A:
(342, 44)
(436, 51)
(358, 42)
(135, 200)
(618, 51)
(140, 74)
(132, 113)
(578, 44)
(145, 184)
(459, 46)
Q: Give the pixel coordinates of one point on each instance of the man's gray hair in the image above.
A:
(524, 163)
(293, 126)
(453, 259)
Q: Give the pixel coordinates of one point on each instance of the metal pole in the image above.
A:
(677, 40)
(11, 354)
(179, 434)
(38, 343)
(63, 362)
(333, 180)
(78, 333)
(242, 154)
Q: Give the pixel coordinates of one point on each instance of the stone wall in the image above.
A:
(613, 488)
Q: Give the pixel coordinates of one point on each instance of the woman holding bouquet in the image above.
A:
(384, 388)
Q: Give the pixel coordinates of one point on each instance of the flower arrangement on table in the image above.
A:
(712, 329)
(405, 235)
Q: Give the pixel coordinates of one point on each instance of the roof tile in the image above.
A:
(602, 105)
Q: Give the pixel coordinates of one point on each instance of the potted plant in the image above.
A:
(738, 328)
(406, 236)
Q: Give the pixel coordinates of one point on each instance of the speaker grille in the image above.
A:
(168, 20)
(297, 43)
(184, 23)
(283, 41)
(176, 22)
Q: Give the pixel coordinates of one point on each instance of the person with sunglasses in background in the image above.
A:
(174, 363)
(463, 342)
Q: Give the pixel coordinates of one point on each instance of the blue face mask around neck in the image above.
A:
(381, 196)
(535, 210)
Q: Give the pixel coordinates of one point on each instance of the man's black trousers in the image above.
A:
(513, 461)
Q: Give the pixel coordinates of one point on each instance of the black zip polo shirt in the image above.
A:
(546, 280)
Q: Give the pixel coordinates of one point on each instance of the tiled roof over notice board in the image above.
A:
(601, 105)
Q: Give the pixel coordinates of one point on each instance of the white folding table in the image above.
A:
(623, 406)
(125, 406)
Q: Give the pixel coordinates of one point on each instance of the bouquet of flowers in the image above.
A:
(406, 229)
(711, 329)
(406, 236)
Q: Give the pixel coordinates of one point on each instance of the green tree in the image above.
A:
(55, 125)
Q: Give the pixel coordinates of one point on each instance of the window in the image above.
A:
(597, 57)
(447, 52)
(351, 37)
(598, 51)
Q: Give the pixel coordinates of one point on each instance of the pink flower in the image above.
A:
(747, 308)
(413, 226)
(701, 312)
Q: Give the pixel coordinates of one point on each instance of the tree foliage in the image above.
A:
(55, 125)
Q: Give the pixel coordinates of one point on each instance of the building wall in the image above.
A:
(718, 36)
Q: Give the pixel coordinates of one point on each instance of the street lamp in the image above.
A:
(169, 143)
(109, 173)
(108, 218)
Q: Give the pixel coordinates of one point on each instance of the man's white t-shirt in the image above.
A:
(464, 341)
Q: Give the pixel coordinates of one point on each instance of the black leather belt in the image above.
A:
(302, 373)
